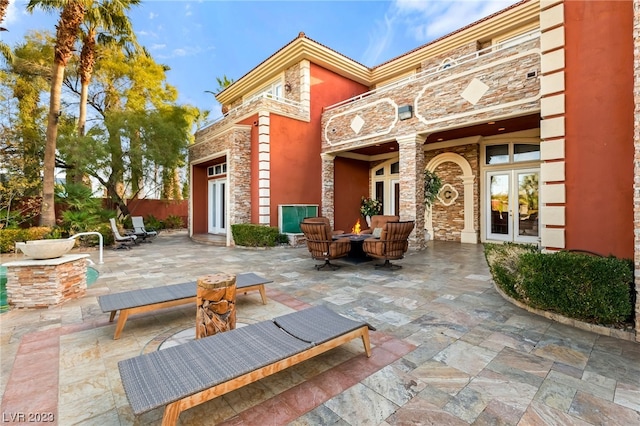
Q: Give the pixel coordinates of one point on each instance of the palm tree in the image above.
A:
(5, 50)
(105, 22)
(71, 16)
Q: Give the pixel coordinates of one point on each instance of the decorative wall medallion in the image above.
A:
(447, 195)
(357, 123)
(474, 91)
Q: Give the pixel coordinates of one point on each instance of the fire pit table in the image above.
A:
(356, 251)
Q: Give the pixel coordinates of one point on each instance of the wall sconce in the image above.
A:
(405, 112)
(287, 87)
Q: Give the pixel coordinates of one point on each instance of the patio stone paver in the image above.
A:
(448, 348)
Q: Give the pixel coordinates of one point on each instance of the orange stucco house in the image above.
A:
(527, 115)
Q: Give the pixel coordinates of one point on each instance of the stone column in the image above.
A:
(412, 186)
(215, 304)
(328, 185)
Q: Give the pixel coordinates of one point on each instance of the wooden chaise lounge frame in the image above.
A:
(151, 299)
(183, 376)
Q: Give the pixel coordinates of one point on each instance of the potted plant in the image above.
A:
(370, 207)
(432, 186)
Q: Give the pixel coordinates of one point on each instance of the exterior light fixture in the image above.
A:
(405, 112)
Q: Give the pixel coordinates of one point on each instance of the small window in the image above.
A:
(218, 169)
(395, 168)
(497, 154)
(526, 152)
(380, 171)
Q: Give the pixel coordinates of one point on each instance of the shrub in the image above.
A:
(580, 286)
(251, 235)
(8, 237)
(503, 261)
(282, 239)
(172, 222)
(152, 223)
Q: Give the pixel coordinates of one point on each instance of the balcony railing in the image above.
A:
(234, 111)
(486, 54)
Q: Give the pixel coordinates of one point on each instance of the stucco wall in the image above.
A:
(599, 127)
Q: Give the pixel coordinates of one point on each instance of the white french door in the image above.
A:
(217, 206)
(512, 205)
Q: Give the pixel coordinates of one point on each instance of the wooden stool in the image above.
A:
(215, 304)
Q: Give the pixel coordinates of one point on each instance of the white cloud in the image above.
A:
(185, 51)
(379, 40)
(426, 20)
(157, 46)
(153, 15)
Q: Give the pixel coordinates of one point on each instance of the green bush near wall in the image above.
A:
(8, 237)
(593, 289)
(252, 235)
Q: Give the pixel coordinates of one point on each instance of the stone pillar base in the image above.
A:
(43, 283)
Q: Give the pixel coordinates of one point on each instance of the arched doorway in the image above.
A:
(468, 234)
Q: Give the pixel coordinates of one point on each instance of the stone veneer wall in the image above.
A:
(438, 60)
(448, 221)
(236, 144)
(438, 102)
(41, 286)
(636, 138)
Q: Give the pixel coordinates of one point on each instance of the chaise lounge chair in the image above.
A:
(187, 375)
(122, 241)
(151, 299)
(140, 231)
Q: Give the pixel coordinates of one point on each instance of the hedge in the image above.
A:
(251, 235)
(593, 289)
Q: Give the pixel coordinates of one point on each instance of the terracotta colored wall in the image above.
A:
(199, 201)
(599, 126)
(160, 209)
(352, 183)
(296, 169)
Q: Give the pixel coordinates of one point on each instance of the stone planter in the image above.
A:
(46, 249)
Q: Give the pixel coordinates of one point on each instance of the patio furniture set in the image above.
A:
(183, 376)
(387, 239)
(139, 233)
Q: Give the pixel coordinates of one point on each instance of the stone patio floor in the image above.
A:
(448, 349)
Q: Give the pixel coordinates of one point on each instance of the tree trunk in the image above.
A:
(47, 213)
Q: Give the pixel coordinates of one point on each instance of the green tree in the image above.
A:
(5, 50)
(22, 137)
(105, 22)
(67, 30)
(141, 135)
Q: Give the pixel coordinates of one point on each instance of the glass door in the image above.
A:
(499, 226)
(512, 205)
(526, 223)
(217, 206)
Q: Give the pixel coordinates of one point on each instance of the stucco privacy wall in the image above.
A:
(636, 160)
(493, 85)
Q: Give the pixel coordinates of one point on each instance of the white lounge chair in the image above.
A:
(122, 241)
(140, 231)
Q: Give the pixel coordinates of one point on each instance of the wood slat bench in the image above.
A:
(183, 376)
(151, 299)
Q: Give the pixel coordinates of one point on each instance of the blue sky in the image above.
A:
(202, 40)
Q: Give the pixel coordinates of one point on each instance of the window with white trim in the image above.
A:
(216, 170)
